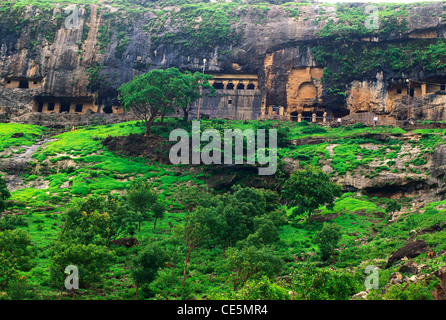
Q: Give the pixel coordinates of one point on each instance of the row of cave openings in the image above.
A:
(76, 106)
(22, 83)
(231, 86)
(234, 81)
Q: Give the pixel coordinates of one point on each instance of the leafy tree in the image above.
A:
(327, 239)
(308, 189)
(191, 93)
(147, 96)
(262, 289)
(158, 210)
(143, 199)
(241, 208)
(92, 261)
(16, 254)
(251, 261)
(4, 194)
(187, 197)
(235, 215)
(156, 93)
(193, 234)
(312, 283)
(265, 231)
(98, 219)
(147, 263)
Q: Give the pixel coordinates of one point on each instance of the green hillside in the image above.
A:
(275, 256)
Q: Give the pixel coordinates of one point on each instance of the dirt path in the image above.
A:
(29, 151)
(18, 162)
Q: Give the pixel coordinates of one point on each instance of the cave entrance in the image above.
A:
(23, 84)
(218, 85)
(64, 107)
(340, 113)
(307, 116)
(78, 107)
(240, 86)
(108, 109)
(319, 116)
(294, 116)
(40, 106)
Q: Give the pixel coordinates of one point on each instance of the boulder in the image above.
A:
(395, 278)
(440, 290)
(360, 296)
(410, 250)
(438, 161)
(409, 267)
(127, 242)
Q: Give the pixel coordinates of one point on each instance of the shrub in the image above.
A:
(9, 222)
(421, 290)
(327, 239)
(313, 129)
(359, 125)
(312, 283)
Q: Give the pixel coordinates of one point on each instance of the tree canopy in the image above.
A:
(158, 92)
(308, 189)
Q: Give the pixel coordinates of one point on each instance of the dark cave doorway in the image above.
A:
(64, 107)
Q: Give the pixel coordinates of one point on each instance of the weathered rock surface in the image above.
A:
(438, 161)
(109, 47)
(410, 250)
(430, 107)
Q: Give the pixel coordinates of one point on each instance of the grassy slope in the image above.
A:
(367, 237)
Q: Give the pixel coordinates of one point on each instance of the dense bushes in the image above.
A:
(241, 242)
(312, 283)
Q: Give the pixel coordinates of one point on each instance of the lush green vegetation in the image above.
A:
(230, 243)
(343, 61)
(158, 92)
(296, 236)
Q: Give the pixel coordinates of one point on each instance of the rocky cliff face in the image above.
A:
(89, 49)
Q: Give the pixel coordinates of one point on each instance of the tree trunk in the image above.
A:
(148, 128)
(60, 293)
(154, 224)
(185, 267)
(136, 294)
